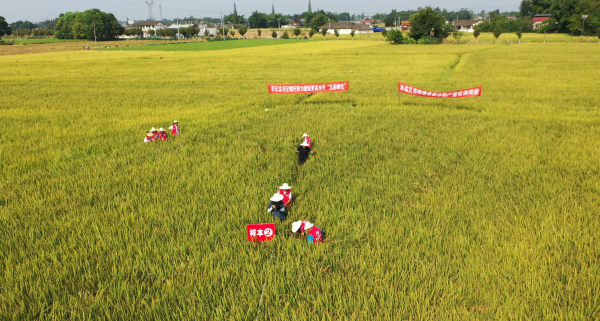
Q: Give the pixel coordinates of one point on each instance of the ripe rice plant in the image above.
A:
(482, 208)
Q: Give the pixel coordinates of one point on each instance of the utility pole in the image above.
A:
(177, 26)
(95, 41)
(583, 26)
(160, 9)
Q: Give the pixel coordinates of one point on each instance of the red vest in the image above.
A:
(287, 193)
(316, 234)
(175, 129)
(163, 135)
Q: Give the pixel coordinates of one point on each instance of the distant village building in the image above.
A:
(405, 25)
(290, 24)
(149, 25)
(345, 27)
(538, 19)
(464, 25)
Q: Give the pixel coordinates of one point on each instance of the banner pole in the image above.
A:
(270, 101)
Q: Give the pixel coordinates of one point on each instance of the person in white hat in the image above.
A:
(276, 207)
(303, 152)
(175, 128)
(315, 235)
(286, 191)
(155, 135)
(162, 134)
(307, 140)
(148, 137)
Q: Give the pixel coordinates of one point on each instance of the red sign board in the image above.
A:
(260, 232)
(471, 92)
(308, 88)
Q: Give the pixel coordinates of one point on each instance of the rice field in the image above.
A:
(460, 209)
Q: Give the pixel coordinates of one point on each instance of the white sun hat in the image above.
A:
(304, 143)
(285, 186)
(161, 129)
(308, 225)
(153, 129)
(305, 135)
(175, 122)
(277, 197)
(296, 226)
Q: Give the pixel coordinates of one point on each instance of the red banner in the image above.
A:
(471, 92)
(308, 88)
(260, 232)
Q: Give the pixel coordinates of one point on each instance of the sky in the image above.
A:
(38, 10)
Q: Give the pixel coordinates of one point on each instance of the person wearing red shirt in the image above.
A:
(286, 191)
(162, 134)
(148, 138)
(154, 133)
(175, 128)
(315, 234)
(307, 140)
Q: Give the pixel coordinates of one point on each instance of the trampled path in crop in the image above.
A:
(479, 208)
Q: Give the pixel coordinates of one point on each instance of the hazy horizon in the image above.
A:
(36, 10)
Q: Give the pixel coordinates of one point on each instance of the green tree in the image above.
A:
(285, 35)
(297, 32)
(526, 9)
(259, 32)
(206, 34)
(242, 30)
(336, 32)
(81, 25)
(311, 33)
(258, 20)
(457, 35)
(318, 21)
(151, 32)
(476, 34)
(274, 34)
(324, 32)
(232, 33)
(352, 33)
(519, 34)
(422, 22)
(4, 27)
(395, 36)
(497, 33)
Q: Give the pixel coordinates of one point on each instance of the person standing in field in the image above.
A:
(315, 234)
(276, 207)
(286, 191)
(148, 137)
(162, 134)
(303, 152)
(307, 140)
(175, 128)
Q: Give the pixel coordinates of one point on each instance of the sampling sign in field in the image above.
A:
(260, 232)
(308, 88)
(471, 92)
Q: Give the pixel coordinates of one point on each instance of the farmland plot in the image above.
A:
(480, 208)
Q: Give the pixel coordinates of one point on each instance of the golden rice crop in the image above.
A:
(482, 208)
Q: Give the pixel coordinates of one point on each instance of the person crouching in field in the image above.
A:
(175, 128)
(155, 135)
(286, 191)
(303, 152)
(315, 235)
(162, 134)
(307, 140)
(276, 207)
(148, 137)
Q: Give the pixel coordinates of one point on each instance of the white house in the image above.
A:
(345, 27)
(465, 25)
(149, 25)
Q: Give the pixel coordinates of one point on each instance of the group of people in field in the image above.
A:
(281, 201)
(160, 134)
